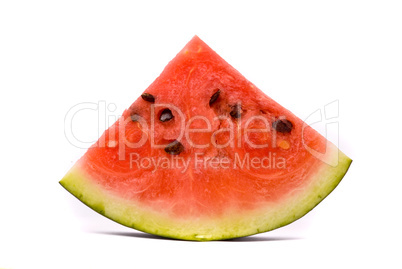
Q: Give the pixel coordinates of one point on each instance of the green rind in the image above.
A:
(232, 225)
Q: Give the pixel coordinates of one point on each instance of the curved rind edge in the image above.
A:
(270, 217)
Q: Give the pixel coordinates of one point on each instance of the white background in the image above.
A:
(304, 54)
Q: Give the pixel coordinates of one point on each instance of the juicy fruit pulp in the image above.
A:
(203, 154)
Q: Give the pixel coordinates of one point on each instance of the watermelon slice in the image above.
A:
(203, 154)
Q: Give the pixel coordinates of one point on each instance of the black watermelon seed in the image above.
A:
(135, 117)
(214, 97)
(148, 97)
(174, 148)
(236, 111)
(166, 115)
(282, 126)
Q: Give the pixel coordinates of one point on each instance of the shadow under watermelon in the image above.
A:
(253, 238)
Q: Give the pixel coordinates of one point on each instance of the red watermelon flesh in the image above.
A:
(204, 154)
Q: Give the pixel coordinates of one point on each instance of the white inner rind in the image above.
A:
(233, 224)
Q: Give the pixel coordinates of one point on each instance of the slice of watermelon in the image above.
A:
(203, 154)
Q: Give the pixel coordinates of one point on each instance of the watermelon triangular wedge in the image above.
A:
(203, 154)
